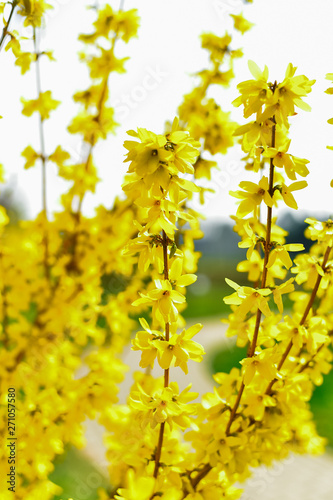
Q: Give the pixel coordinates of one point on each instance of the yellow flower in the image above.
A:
(254, 93)
(291, 164)
(4, 219)
(252, 133)
(176, 151)
(144, 341)
(280, 252)
(202, 168)
(321, 231)
(184, 150)
(146, 156)
(256, 404)
(33, 11)
(262, 363)
(286, 191)
(217, 46)
(246, 298)
(31, 157)
(224, 445)
(43, 105)
(161, 212)
(91, 129)
(291, 329)
(286, 287)
(307, 268)
(124, 23)
(253, 265)
(317, 333)
(287, 95)
(59, 156)
(166, 405)
(177, 278)
(137, 488)
(181, 348)
(163, 299)
(240, 23)
(249, 239)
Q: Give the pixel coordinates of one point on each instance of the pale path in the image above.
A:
(297, 478)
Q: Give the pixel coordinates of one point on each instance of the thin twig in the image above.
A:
(252, 348)
(166, 372)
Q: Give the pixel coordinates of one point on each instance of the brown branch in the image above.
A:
(304, 317)
(166, 372)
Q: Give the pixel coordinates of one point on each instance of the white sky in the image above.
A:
(298, 31)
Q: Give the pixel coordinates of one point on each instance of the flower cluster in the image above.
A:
(202, 115)
(260, 412)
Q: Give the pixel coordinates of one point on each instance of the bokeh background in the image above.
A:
(162, 66)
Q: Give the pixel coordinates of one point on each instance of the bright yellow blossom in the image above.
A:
(262, 364)
(166, 405)
(252, 196)
(291, 164)
(240, 23)
(286, 192)
(43, 105)
(163, 299)
(246, 298)
(181, 348)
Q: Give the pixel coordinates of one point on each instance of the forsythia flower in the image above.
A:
(166, 405)
(240, 23)
(138, 488)
(175, 152)
(144, 341)
(286, 287)
(31, 156)
(252, 196)
(286, 192)
(43, 105)
(321, 231)
(246, 298)
(291, 164)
